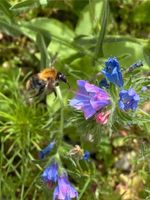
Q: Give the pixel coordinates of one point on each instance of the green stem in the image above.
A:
(1, 161)
(112, 116)
(23, 172)
(91, 5)
(22, 191)
(61, 115)
(104, 17)
(25, 148)
(84, 188)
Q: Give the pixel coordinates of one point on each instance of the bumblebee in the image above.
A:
(44, 83)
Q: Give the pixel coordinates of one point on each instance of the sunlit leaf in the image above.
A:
(89, 18)
(10, 29)
(25, 5)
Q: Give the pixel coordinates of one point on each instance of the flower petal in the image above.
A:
(88, 111)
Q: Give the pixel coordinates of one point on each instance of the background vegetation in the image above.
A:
(83, 34)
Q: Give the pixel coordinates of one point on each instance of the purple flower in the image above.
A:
(112, 71)
(89, 98)
(128, 99)
(46, 150)
(86, 155)
(50, 174)
(64, 190)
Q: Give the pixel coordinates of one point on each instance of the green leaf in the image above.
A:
(4, 8)
(89, 18)
(28, 4)
(85, 41)
(78, 5)
(54, 27)
(10, 29)
(146, 53)
(124, 116)
(119, 47)
(45, 60)
(104, 17)
(25, 5)
(141, 13)
(43, 2)
(62, 36)
(31, 32)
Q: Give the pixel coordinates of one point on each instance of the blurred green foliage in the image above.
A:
(83, 34)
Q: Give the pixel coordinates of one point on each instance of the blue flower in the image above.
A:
(46, 150)
(86, 155)
(128, 99)
(103, 83)
(64, 190)
(144, 88)
(50, 174)
(89, 98)
(112, 71)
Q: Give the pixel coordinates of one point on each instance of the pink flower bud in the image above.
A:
(102, 117)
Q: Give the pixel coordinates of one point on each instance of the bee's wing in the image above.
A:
(35, 87)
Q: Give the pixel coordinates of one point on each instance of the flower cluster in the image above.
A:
(128, 98)
(93, 100)
(64, 190)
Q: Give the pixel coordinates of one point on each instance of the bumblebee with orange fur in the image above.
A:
(44, 83)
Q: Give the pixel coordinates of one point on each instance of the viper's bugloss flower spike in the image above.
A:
(102, 117)
(128, 99)
(135, 65)
(50, 174)
(46, 150)
(112, 71)
(86, 155)
(89, 98)
(64, 190)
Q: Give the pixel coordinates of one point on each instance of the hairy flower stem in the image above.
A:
(61, 115)
(111, 116)
(114, 101)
